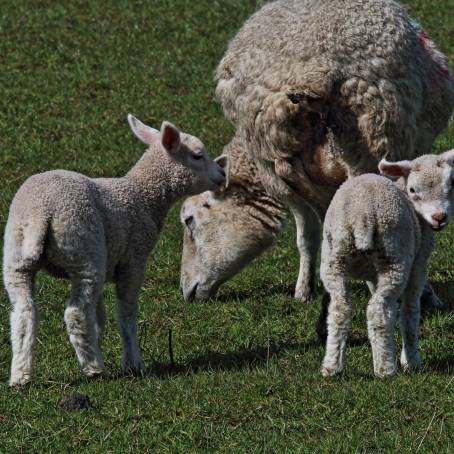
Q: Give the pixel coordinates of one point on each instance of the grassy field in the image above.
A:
(246, 377)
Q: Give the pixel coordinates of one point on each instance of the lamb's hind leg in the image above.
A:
(129, 280)
(381, 318)
(24, 320)
(338, 324)
(81, 324)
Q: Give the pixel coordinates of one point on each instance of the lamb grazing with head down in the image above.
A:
(95, 230)
(382, 232)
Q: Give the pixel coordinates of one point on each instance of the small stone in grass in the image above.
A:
(75, 401)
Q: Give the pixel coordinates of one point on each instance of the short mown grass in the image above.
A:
(246, 375)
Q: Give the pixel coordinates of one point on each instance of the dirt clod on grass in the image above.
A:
(75, 401)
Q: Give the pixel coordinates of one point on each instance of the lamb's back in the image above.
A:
(372, 213)
(56, 193)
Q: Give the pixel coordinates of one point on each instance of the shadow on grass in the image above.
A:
(445, 291)
(443, 364)
(228, 361)
(247, 358)
(228, 294)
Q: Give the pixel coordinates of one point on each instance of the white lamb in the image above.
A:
(95, 230)
(382, 232)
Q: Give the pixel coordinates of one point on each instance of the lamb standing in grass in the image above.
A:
(381, 232)
(95, 230)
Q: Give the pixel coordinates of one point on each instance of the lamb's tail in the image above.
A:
(24, 243)
(364, 233)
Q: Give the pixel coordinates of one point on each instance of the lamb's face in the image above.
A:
(429, 183)
(208, 174)
(430, 187)
(219, 241)
(205, 173)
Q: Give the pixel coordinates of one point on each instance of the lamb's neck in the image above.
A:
(161, 180)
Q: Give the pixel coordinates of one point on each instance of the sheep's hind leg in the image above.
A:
(24, 320)
(381, 318)
(338, 323)
(128, 283)
(82, 325)
(308, 242)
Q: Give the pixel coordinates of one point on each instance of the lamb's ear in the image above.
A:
(394, 169)
(143, 132)
(224, 163)
(170, 137)
(448, 156)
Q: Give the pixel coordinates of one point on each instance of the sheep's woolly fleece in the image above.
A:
(311, 84)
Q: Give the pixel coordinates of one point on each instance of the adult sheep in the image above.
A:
(317, 91)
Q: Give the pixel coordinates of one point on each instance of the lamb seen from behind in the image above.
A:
(382, 232)
(95, 230)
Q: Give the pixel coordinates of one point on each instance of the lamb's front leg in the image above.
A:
(128, 282)
(409, 318)
(308, 242)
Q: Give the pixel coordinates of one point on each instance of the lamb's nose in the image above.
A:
(439, 216)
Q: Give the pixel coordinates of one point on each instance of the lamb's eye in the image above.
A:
(412, 190)
(189, 220)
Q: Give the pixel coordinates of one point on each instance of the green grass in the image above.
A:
(246, 377)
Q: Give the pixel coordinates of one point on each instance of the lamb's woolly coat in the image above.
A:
(381, 232)
(321, 90)
(69, 213)
(92, 231)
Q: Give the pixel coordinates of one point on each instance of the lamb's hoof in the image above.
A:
(410, 366)
(20, 379)
(385, 372)
(328, 371)
(133, 369)
(304, 295)
(93, 371)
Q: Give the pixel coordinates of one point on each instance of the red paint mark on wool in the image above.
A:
(429, 46)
